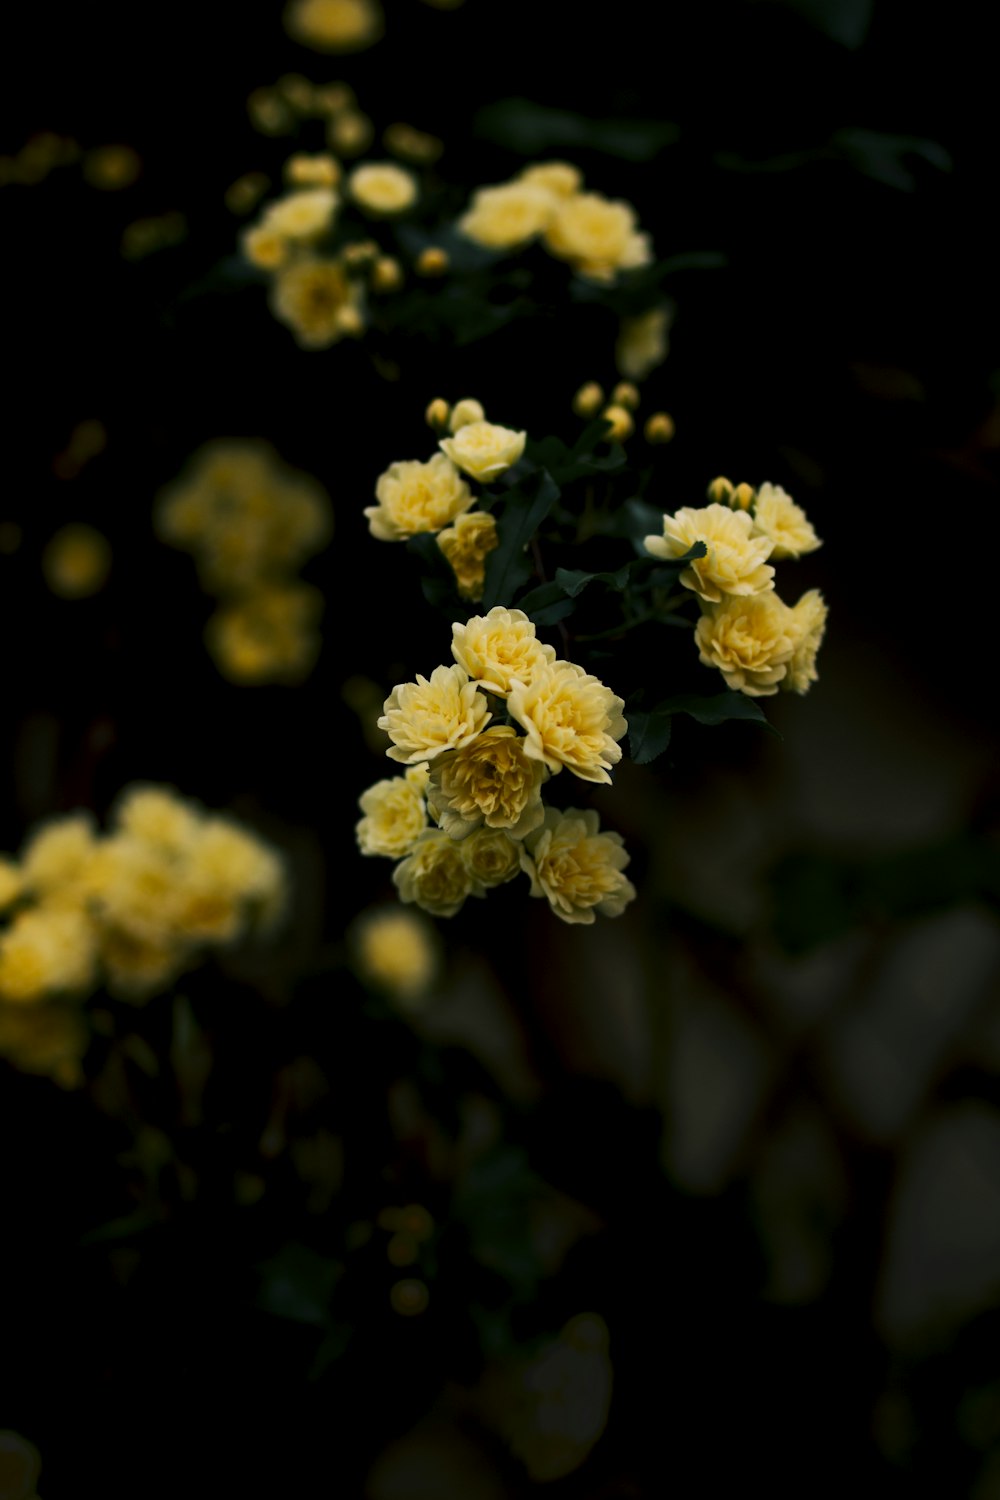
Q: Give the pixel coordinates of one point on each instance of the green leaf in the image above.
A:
(546, 604)
(573, 582)
(843, 21)
(884, 157)
(533, 129)
(716, 709)
(507, 567)
(298, 1284)
(648, 735)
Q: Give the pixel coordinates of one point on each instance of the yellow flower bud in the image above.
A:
(622, 425)
(412, 145)
(659, 427)
(464, 412)
(360, 253)
(246, 192)
(743, 497)
(437, 413)
(432, 262)
(387, 274)
(588, 400)
(720, 491)
(333, 99)
(626, 394)
(269, 114)
(318, 170)
(350, 322)
(350, 133)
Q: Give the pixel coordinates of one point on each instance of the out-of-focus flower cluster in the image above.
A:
(250, 523)
(129, 910)
(597, 236)
(756, 641)
(334, 25)
(480, 738)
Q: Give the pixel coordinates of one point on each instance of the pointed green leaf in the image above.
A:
(507, 566)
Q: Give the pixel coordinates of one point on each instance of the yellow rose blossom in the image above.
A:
(11, 882)
(498, 648)
(317, 301)
(642, 343)
(136, 969)
(334, 25)
(394, 816)
(557, 177)
(269, 635)
(56, 859)
(749, 640)
(303, 215)
(576, 867)
(597, 236)
(491, 856)
(414, 497)
(158, 816)
(264, 247)
(784, 523)
(570, 719)
(735, 560)
(76, 561)
(136, 889)
(484, 450)
(436, 875)
(47, 1039)
(508, 216)
(492, 782)
(424, 718)
(807, 628)
(466, 546)
(317, 170)
(396, 951)
(49, 950)
(383, 188)
(465, 411)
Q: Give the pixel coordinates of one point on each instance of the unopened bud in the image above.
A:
(437, 413)
(588, 400)
(350, 322)
(359, 253)
(432, 262)
(319, 170)
(412, 145)
(659, 427)
(743, 497)
(626, 394)
(720, 491)
(387, 274)
(622, 425)
(350, 133)
(464, 412)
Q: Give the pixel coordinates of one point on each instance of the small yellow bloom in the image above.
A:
(432, 261)
(508, 216)
(414, 497)
(269, 635)
(11, 882)
(57, 858)
(424, 718)
(492, 782)
(784, 523)
(317, 301)
(484, 450)
(411, 144)
(735, 560)
(659, 427)
(466, 546)
(465, 411)
(383, 188)
(557, 177)
(622, 425)
(588, 400)
(394, 815)
(807, 628)
(500, 648)
(436, 875)
(302, 216)
(597, 236)
(642, 343)
(264, 247)
(159, 816)
(387, 275)
(626, 394)
(576, 867)
(47, 951)
(749, 640)
(437, 413)
(76, 561)
(396, 951)
(570, 719)
(319, 169)
(334, 25)
(492, 857)
(350, 133)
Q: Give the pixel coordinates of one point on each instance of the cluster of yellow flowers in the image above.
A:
(415, 497)
(598, 236)
(479, 739)
(278, 109)
(757, 642)
(109, 168)
(131, 910)
(250, 523)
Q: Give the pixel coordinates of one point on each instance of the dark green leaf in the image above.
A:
(884, 157)
(843, 21)
(648, 735)
(716, 709)
(507, 566)
(533, 129)
(573, 582)
(297, 1284)
(546, 604)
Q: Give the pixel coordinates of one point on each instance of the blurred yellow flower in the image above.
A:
(509, 215)
(11, 882)
(491, 781)
(415, 497)
(492, 856)
(76, 561)
(303, 215)
(749, 640)
(334, 25)
(735, 560)
(269, 635)
(318, 302)
(436, 875)
(499, 648)
(484, 450)
(264, 247)
(394, 815)
(784, 523)
(576, 867)
(556, 177)
(570, 719)
(465, 411)
(807, 627)
(158, 816)
(56, 860)
(49, 950)
(382, 188)
(642, 343)
(424, 718)
(318, 169)
(597, 236)
(466, 545)
(396, 951)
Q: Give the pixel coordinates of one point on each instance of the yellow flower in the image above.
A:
(264, 247)
(499, 648)
(56, 860)
(749, 640)
(492, 782)
(394, 815)
(557, 177)
(227, 865)
(576, 867)
(317, 301)
(735, 560)
(76, 562)
(415, 497)
(427, 717)
(570, 719)
(159, 816)
(466, 545)
(483, 449)
(507, 216)
(135, 968)
(597, 236)
(136, 889)
(49, 950)
(436, 875)
(807, 628)
(317, 170)
(492, 857)
(382, 188)
(642, 343)
(303, 215)
(784, 523)
(465, 411)
(396, 951)
(11, 882)
(334, 25)
(270, 635)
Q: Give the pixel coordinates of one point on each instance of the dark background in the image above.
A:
(771, 1090)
